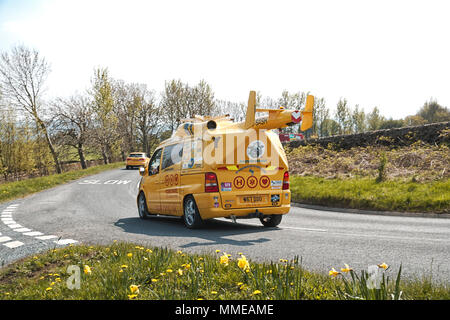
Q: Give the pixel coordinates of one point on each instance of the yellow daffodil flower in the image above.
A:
(87, 269)
(224, 259)
(134, 289)
(383, 265)
(333, 272)
(256, 292)
(132, 296)
(129, 255)
(346, 269)
(243, 263)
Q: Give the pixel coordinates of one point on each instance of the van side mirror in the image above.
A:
(141, 171)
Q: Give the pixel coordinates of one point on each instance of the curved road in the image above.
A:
(102, 208)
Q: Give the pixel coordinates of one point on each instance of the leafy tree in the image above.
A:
(374, 119)
(434, 112)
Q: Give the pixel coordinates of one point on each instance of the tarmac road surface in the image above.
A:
(101, 208)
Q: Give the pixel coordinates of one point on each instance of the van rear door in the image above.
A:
(255, 178)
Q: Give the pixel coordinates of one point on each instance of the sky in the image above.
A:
(391, 54)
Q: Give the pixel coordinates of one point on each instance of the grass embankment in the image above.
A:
(413, 178)
(129, 271)
(366, 193)
(17, 189)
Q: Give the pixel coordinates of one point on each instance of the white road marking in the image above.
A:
(9, 222)
(7, 219)
(6, 215)
(13, 244)
(22, 230)
(33, 233)
(14, 226)
(46, 237)
(4, 239)
(65, 241)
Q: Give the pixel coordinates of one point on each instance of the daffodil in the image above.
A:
(134, 289)
(179, 252)
(87, 269)
(346, 269)
(256, 292)
(129, 255)
(213, 292)
(132, 296)
(224, 259)
(333, 272)
(180, 272)
(243, 263)
(154, 280)
(48, 289)
(169, 270)
(217, 251)
(124, 266)
(383, 265)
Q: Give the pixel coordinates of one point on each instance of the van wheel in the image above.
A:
(191, 216)
(142, 207)
(272, 220)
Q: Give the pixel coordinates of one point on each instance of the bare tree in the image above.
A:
(74, 118)
(22, 76)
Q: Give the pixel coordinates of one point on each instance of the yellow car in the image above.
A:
(215, 167)
(137, 159)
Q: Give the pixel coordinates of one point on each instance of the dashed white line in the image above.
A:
(4, 239)
(22, 230)
(47, 237)
(13, 244)
(33, 233)
(15, 225)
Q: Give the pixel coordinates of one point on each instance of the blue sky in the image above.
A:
(390, 54)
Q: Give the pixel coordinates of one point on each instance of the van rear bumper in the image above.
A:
(208, 211)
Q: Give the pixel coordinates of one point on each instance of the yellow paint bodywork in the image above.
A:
(245, 186)
(135, 162)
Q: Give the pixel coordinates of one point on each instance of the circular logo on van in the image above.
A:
(255, 149)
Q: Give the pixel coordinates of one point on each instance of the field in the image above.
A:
(412, 178)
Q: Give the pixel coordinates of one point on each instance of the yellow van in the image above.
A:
(215, 167)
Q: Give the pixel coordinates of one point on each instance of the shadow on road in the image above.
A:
(214, 231)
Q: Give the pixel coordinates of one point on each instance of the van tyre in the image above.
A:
(142, 206)
(271, 221)
(191, 215)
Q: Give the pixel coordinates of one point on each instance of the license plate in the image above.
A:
(252, 199)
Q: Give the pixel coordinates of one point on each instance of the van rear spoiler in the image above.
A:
(278, 118)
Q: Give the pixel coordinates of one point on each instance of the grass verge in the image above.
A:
(17, 189)
(129, 271)
(366, 193)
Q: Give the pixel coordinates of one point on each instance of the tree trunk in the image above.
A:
(50, 144)
(81, 155)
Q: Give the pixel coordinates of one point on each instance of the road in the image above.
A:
(102, 208)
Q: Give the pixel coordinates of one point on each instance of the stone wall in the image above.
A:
(430, 133)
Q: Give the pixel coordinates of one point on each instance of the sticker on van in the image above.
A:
(276, 184)
(225, 186)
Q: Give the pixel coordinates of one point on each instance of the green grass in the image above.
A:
(366, 193)
(17, 189)
(160, 273)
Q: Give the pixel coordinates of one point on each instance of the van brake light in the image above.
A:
(211, 184)
(286, 180)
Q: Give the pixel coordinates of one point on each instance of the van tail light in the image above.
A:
(286, 180)
(211, 184)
